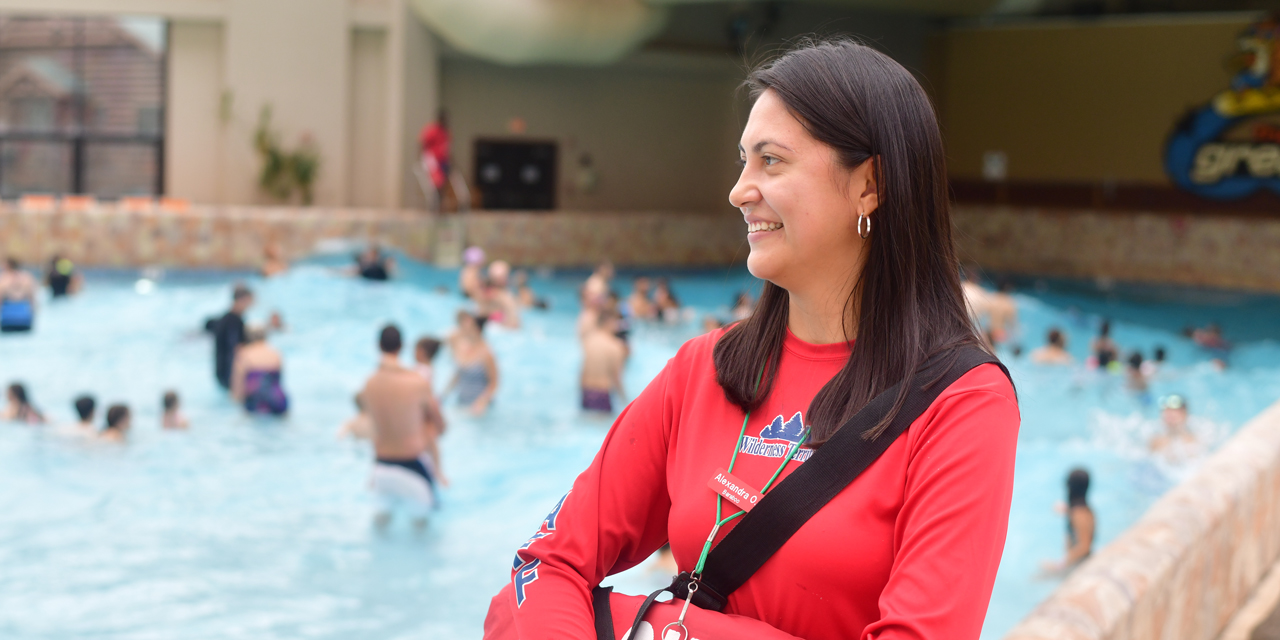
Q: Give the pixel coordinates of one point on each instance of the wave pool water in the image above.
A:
(247, 527)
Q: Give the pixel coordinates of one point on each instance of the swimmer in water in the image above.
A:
(371, 264)
(1135, 380)
(641, 305)
(17, 298)
(1002, 313)
(119, 422)
(172, 417)
(228, 334)
(86, 408)
(63, 279)
(496, 301)
(1151, 368)
(470, 278)
(360, 426)
(401, 407)
(424, 354)
(524, 293)
(19, 408)
(1081, 525)
(1104, 348)
(1177, 441)
(665, 300)
(273, 262)
(1054, 351)
(603, 356)
(977, 300)
(600, 281)
(711, 323)
(477, 371)
(256, 378)
(742, 306)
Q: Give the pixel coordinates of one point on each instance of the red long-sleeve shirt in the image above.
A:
(908, 550)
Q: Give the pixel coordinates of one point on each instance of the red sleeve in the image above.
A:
(950, 532)
(613, 518)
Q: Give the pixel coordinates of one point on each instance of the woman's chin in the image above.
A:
(762, 266)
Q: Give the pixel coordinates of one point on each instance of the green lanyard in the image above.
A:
(706, 548)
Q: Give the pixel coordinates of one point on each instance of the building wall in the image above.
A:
(420, 99)
(1072, 101)
(194, 94)
(661, 130)
(368, 118)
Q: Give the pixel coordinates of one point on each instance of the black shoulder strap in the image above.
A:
(782, 511)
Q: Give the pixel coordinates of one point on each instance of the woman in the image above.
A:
(17, 298)
(19, 408)
(1080, 524)
(665, 301)
(255, 378)
(844, 193)
(63, 279)
(1105, 351)
(1054, 351)
(477, 377)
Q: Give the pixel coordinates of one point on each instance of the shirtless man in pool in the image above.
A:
(603, 356)
(406, 420)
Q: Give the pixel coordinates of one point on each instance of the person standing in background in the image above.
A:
(63, 280)
(436, 143)
(228, 334)
(1081, 525)
(17, 298)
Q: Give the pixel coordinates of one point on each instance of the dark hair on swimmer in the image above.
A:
(428, 347)
(1158, 355)
(13, 263)
(240, 292)
(1077, 488)
(1135, 360)
(863, 105)
(84, 407)
(389, 340)
(480, 321)
(170, 400)
(1055, 337)
(19, 393)
(116, 414)
(1104, 329)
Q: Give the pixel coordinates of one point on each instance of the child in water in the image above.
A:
(118, 423)
(424, 353)
(172, 417)
(20, 409)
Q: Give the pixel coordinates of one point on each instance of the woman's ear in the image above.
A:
(866, 186)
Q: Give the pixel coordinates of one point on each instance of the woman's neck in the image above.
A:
(822, 318)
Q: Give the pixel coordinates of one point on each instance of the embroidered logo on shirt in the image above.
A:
(524, 571)
(777, 438)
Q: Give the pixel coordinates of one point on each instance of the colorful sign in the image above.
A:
(1230, 148)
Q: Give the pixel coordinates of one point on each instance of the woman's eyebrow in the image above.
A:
(757, 147)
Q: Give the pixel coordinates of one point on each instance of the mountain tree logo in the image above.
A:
(789, 430)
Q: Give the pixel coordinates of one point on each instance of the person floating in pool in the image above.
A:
(228, 334)
(1135, 379)
(1177, 443)
(372, 264)
(1002, 314)
(1104, 349)
(476, 380)
(17, 298)
(603, 357)
(403, 410)
(1054, 352)
(1081, 525)
(19, 407)
(171, 416)
(119, 421)
(665, 301)
(63, 279)
(256, 378)
(639, 302)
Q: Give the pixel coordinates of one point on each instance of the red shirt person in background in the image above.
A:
(435, 141)
(844, 193)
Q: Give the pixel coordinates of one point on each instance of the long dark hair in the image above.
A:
(908, 300)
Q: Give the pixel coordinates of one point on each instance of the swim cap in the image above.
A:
(473, 255)
(64, 266)
(1173, 401)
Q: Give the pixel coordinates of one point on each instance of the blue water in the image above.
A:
(245, 527)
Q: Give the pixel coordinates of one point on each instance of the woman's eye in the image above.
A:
(769, 161)
(742, 162)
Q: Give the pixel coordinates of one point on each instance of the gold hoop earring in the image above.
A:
(863, 233)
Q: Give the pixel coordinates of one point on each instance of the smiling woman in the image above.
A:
(839, 136)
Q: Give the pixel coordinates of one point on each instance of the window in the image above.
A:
(81, 105)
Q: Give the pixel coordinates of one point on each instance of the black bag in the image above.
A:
(782, 511)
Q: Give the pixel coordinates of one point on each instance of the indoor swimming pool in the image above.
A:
(250, 527)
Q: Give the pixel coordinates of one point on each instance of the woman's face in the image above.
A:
(467, 326)
(800, 204)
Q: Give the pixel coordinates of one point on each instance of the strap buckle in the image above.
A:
(704, 596)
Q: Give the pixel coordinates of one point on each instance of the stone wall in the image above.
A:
(1215, 250)
(1189, 563)
(206, 237)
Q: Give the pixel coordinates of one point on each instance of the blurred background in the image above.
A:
(1114, 166)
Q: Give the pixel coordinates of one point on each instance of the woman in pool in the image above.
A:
(844, 194)
(19, 407)
(477, 377)
(255, 379)
(1104, 348)
(63, 279)
(17, 298)
(1080, 524)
